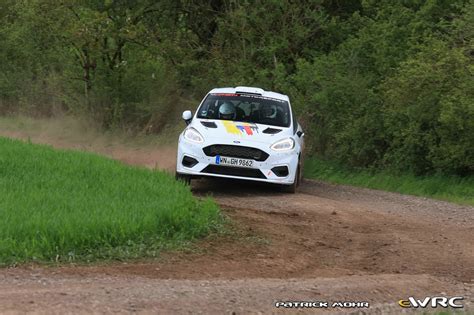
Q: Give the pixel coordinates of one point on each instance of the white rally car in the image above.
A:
(242, 133)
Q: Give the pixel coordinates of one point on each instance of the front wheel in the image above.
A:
(292, 188)
(184, 178)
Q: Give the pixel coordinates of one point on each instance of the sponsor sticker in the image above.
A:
(240, 128)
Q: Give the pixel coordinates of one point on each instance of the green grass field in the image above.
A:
(60, 205)
(449, 188)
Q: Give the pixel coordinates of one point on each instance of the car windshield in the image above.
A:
(247, 108)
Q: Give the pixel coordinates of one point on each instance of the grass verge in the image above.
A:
(449, 188)
(58, 205)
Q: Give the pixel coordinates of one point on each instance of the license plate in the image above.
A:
(230, 161)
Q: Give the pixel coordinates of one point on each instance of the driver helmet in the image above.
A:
(269, 111)
(227, 111)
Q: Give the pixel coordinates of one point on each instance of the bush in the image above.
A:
(429, 112)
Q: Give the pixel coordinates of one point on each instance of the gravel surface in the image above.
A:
(325, 243)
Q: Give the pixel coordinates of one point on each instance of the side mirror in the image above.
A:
(187, 116)
(300, 134)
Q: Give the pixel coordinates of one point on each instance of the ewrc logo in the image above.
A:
(433, 302)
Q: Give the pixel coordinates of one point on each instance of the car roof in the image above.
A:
(250, 90)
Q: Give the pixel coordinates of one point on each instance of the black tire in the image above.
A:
(291, 189)
(184, 178)
(300, 174)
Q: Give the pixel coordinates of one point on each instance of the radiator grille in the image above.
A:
(236, 151)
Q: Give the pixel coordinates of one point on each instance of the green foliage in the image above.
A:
(397, 94)
(381, 84)
(62, 205)
(429, 110)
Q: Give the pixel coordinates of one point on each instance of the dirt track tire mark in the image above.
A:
(356, 233)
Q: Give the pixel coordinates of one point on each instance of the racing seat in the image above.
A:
(239, 114)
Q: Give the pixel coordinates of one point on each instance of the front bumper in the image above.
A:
(261, 170)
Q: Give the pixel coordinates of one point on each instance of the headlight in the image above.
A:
(193, 135)
(283, 145)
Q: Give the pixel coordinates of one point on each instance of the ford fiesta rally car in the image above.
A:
(242, 133)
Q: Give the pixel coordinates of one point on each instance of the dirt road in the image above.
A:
(325, 243)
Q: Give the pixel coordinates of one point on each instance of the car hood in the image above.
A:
(239, 131)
